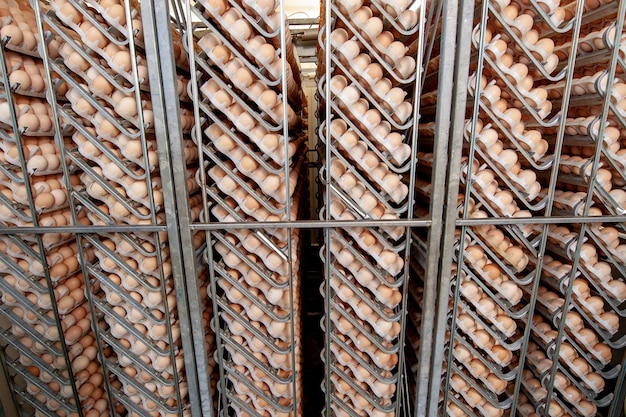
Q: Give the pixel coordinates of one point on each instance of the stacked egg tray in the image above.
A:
(371, 81)
(101, 96)
(46, 335)
(518, 77)
(252, 137)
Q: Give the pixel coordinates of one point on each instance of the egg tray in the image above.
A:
(342, 208)
(34, 157)
(240, 351)
(346, 318)
(238, 40)
(371, 359)
(548, 61)
(149, 400)
(394, 157)
(6, 123)
(383, 189)
(269, 378)
(474, 399)
(576, 338)
(50, 19)
(396, 71)
(382, 276)
(570, 369)
(355, 390)
(240, 324)
(340, 282)
(152, 298)
(503, 357)
(363, 275)
(348, 89)
(234, 210)
(34, 386)
(275, 296)
(510, 344)
(272, 185)
(380, 382)
(134, 336)
(531, 99)
(371, 164)
(491, 290)
(260, 398)
(142, 364)
(500, 401)
(111, 147)
(233, 257)
(147, 263)
(241, 355)
(489, 319)
(490, 379)
(266, 114)
(244, 295)
(357, 401)
(226, 101)
(392, 14)
(271, 146)
(260, 70)
(16, 89)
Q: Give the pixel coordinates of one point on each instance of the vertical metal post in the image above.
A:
(455, 150)
(440, 163)
(168, 131)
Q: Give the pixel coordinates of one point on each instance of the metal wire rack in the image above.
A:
(153, 174)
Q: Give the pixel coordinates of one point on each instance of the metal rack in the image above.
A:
(187, 238)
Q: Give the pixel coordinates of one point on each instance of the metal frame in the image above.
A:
(457, 23)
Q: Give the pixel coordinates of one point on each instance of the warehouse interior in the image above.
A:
(286, 208)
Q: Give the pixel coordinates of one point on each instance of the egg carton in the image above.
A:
(382, 386)
(93, 37)
(399, 66)
(380, 100)
(383, 291)
(348, 324)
